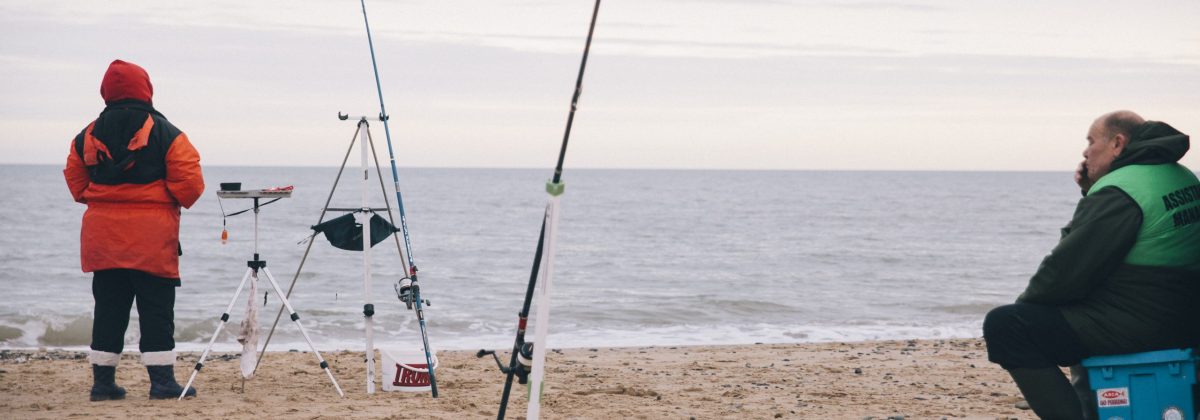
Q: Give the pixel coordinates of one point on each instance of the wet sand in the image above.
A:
(909, 379)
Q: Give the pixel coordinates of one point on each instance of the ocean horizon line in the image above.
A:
(631, 169)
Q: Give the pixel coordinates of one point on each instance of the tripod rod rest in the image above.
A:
(345, 117)
(358, 209)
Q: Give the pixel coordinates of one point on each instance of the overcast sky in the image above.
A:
(745, 84)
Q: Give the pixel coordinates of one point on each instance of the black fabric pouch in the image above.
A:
(345, 233)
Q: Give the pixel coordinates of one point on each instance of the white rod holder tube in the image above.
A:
(541, 329)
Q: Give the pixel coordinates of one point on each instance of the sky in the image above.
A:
(698, 84)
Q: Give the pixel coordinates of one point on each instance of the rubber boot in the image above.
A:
(163, 385)
(1049, 393)
(104, 384)
(1083, 389)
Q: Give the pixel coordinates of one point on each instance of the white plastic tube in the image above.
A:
(546, 275)
(364, 217)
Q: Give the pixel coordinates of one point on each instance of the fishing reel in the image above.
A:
(406, 292)
(524, 362)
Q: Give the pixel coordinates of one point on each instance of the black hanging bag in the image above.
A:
(345, 233)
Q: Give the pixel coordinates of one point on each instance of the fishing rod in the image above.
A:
(408, 290)
(528, 359)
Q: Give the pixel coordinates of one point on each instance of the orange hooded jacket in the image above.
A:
(134, 170)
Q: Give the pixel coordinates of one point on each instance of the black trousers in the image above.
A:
(115, 291)
(1030, 336)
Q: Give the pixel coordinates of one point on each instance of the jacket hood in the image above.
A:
(1153, 143)
(125, 80)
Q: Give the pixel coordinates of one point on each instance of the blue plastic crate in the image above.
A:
(1142, 386)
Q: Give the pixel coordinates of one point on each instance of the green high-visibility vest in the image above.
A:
(1169, 195)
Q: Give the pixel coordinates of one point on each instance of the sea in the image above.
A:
(644, 257)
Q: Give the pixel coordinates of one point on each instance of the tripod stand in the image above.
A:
(253, 268)
(344, 233)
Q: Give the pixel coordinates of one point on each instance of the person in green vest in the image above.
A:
(1124, 277)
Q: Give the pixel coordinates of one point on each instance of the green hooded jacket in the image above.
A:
(1112, 305)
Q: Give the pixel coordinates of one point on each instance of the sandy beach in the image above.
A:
(909, 379)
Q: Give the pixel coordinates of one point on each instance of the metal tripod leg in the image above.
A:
(296, 319)
(220, 326)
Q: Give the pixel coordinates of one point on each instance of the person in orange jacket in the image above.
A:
(134, 170)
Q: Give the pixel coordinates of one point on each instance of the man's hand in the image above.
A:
(1081, 177)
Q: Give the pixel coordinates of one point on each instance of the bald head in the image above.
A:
(1106, 138)
(1118, 122)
